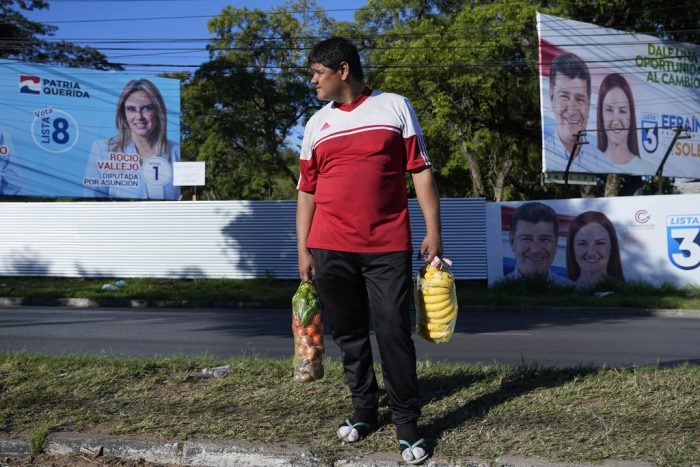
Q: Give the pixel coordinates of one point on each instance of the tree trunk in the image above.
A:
(587, 191)
(477, 182)
(612, 185)
(501, 180)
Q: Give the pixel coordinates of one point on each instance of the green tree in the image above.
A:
(241, 108)
(26, 40)
(471, 74)
(676, 20)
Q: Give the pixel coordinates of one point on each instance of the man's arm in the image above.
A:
(429, 201)
(305, 213)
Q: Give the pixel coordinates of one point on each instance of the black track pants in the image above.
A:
(349, 286)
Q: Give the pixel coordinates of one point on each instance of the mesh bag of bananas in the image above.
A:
(436, 301)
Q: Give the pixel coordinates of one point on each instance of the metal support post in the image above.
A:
(660, 170)
(580, 141)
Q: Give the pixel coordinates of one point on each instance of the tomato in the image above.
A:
(311, 331)
(317, 339)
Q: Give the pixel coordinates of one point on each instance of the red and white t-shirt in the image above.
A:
(353, 159)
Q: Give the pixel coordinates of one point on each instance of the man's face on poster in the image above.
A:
(571, 105)
(534, 246)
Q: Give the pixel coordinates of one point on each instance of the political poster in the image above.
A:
(73, 132)
(626, 95)
(580, 242)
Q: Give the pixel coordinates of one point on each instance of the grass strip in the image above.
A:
(278, 293)
(581, 414)
(260, 292)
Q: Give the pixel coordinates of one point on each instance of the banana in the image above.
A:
(436, 337)
(433, 281)
(436, 327)
(434, 298)
(435, 290)
(438, 307)
(435, 273)
(434, 331)
(446, 314)
(443, 319)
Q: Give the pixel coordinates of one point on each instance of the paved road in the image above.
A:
(546, 338)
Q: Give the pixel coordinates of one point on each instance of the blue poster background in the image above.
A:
(50, 119)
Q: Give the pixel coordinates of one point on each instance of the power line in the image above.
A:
(159, 18)
(437, 40)
(452, 36)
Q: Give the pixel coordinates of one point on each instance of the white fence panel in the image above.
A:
(200, 239)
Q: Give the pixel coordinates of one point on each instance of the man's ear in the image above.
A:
(344, 70)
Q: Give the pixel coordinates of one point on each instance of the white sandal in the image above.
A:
(415, 453)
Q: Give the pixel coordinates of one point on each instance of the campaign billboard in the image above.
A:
(582, 241)
(627, 92)
(73, 132)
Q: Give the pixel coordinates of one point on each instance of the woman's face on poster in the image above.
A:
(616, 116)
(592, 249)
(140, 114)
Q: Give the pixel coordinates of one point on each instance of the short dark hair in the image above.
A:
(335, 50)
(572, 67)
(534, 212)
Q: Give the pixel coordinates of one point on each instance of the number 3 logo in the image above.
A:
(684, 247)
(650, 135)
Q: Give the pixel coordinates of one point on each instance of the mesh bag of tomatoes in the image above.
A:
(307, 327)
(436, 301)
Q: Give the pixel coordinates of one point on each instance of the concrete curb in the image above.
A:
(230, 454)
(145, 303)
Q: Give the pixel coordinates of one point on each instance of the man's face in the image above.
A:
(534, 246)
(328, 82)
(570, 104)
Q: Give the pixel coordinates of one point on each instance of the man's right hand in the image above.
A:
(306, 265)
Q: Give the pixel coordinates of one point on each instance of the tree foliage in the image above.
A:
(677, 20)
(241, 107)
(23, 39)
(471, 74)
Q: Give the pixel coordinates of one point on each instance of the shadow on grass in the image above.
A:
(522, 381)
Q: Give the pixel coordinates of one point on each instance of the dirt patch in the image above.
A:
(74, 460)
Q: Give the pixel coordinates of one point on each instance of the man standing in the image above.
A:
(354, 238)
(534, 234)
(570, 100)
